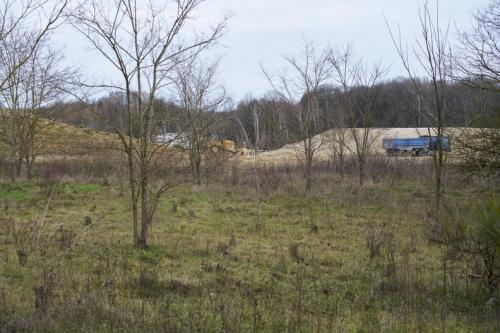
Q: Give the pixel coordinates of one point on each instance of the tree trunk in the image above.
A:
(143, 239)
(13, 158)
(19, 164)
(308, 173)
(29, 166)
(361, 169)
(133, 197)
(29, 170)
(198, 171)
(195, 161)
(342, 164)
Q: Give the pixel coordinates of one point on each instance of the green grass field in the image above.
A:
(344, 259)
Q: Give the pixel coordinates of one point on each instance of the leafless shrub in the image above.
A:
(55, 170)
(390, 255)
(5, 165)
(235, 173)
(295, 253)
(6, 205)
(147, 281)
(65, 238)
(298, 306)
(223, 248)
(87, 220)
(280, 267)
(209, 267)
(22, 256)
(96, 167)
(277, 178)
(44, 292)
(216, 165)
(232, 241)
(373, 244)
(24, 236)
(173, 210)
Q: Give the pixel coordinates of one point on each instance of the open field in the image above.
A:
(343, 259)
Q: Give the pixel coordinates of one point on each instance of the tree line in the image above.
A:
(396, 106)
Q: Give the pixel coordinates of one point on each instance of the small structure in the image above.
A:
(174, 139)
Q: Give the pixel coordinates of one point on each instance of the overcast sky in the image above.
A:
(262, 31)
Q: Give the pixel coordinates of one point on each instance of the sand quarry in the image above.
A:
(325, 142)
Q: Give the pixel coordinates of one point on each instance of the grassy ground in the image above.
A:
(343, 259)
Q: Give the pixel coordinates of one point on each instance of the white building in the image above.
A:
(175, 139)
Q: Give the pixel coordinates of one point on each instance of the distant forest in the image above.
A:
(395, 106)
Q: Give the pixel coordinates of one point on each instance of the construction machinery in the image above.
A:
(223, 145)
(424, 145)
(219, 142)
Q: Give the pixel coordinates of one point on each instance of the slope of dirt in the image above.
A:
(57, 138)
(66, 139)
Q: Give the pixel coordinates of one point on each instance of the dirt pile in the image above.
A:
(325, 142)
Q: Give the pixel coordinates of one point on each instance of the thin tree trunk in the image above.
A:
(308, 164)
(342, 164)
(198, 171)
(130, 152)
(143, 240)
(29, 167)
(19, 163)
(361, 169)
(13, 166)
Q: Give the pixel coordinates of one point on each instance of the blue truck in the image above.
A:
(424, 145)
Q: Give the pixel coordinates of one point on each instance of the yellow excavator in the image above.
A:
(218, 142)
(217, 145)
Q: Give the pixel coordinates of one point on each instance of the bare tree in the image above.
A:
(433, 56)
(339, 135)
(478, 63)
(24, 26)
(478, 54)
(200, 97)
(143, 44)
(14, 96)
(301, 88)
(27, 22)
(256, 114)
(360, 91)
(363, 115)
(41, 85)
(342, 64)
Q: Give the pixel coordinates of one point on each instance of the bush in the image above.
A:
(475, 232)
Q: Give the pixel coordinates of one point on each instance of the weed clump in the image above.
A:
(295, 253)
(44, 292)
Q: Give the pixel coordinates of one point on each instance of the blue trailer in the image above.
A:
(424, 145)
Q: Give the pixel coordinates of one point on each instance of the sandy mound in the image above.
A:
(325, 142)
